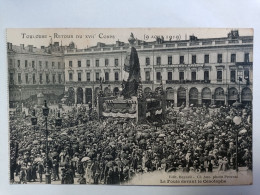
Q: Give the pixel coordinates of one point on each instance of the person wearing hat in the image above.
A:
(29, 172)
(40, 170)
(88, 173)
(22, 175)
(55, 170)
(34, 171)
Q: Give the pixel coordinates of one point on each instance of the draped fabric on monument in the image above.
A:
(131, 102)
(132, 67)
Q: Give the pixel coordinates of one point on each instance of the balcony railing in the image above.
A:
(187, 81)
(106, 49)
(247, 40)
(97, 49)
(158, 46)
(182, 44)
(94, 82)
(148, 46)
(207, 43)
(112, 82)
(116, 48)
(220, 42)
(194, 43)
(147, 82)
(244, 63)
(172, 44)
(233, 41)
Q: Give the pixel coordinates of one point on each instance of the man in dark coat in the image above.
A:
(55, 170)
(40, 171)
(34, 171)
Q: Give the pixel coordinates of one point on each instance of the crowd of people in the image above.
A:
(113, 150)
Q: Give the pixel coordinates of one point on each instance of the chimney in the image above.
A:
(9, 46)
(193, 38)
(119, 43)
(30, 48)
(56, 44)
(22, 46)
(234, 34)
(99, 44)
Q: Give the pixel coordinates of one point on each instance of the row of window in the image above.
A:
(194, 76)
(170, 76)
(194, 59)
(170, 61)
(26, 64)
(33, 79)
(96, 63)
(116, 76)
(147, 61)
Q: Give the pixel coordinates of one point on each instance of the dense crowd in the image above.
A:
(114, 150)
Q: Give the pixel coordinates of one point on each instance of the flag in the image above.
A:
(158, 112)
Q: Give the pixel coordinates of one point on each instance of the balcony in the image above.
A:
(233, 41)
(244, 63)
(207, 43)
(147, 82)
(181, 44)
(148, 46)
(194, 43)
(247, 40)
(112, 82)
(170, 82)
(219, 42)
(116, 48)
(93, 82)
(187, 81)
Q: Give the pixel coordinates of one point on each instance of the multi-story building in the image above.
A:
(194, 71)
(33, 71)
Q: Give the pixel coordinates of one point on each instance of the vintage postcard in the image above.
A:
(139, 106)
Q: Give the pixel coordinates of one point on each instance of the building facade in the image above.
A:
(195, 71)
(33, 71)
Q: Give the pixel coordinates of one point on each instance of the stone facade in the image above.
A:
(193, 71)
(33, 71)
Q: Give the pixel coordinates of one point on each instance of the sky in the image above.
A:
(84, 38)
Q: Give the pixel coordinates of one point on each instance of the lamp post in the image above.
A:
(34, 121)
(45, 112)
(58, 121)
(237, 120)
(240, 76)
(238, 103)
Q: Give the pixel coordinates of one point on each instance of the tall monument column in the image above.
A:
(131, 70)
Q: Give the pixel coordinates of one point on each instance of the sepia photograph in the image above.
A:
(130, 106)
